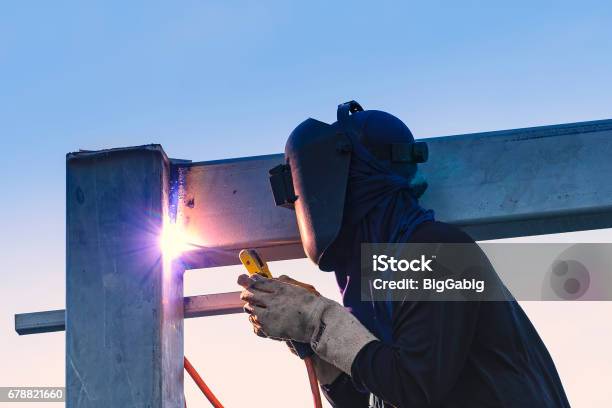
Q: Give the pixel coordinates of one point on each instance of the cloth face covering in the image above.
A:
(380, 206)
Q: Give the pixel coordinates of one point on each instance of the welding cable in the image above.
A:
(314, 382)
(201, 384)
(312, 378)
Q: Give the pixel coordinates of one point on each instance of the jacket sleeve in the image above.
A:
(430, 348)
(343, 394)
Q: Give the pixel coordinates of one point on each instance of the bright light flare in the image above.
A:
(174, 241)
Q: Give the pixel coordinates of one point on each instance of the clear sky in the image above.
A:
(212, 80)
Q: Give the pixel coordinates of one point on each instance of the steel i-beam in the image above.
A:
(499, 184)
(194, 306)
(124, 301)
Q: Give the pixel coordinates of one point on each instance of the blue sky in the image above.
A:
(211, 80)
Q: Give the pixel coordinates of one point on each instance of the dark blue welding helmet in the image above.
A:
(314, 178)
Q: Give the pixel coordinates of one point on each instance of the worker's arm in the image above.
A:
(431, 340)
(430, 348)
(284, 311)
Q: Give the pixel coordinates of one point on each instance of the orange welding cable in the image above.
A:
(312, 378)
(202, 385)
(314, 382)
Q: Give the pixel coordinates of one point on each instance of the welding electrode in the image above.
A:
(255, 265)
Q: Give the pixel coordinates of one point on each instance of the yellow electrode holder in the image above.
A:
(254, 264)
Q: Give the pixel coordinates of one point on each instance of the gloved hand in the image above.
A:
(286, 311)
(307, 286)
(326, 372)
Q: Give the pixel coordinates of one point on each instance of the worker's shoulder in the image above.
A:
(439, 232)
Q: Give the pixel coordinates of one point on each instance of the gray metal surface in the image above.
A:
(194, 306)
(213, 305)
(497, 184)
(124, 317)
(227, 205)
(523, 182)
(40, 322)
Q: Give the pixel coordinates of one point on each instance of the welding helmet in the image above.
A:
(314, 178)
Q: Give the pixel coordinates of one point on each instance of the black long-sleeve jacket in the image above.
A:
(453, 355)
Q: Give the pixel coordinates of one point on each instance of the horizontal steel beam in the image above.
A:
(499, 184)
(40, 322)
(194, 306)
(213, 305)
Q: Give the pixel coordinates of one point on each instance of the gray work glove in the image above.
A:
(286, 311)
(326, 372)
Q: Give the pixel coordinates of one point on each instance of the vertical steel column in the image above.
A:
(124, 318)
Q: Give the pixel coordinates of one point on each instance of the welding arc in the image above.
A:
(202, 385)
(314, 383)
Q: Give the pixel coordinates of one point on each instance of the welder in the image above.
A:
(356, 181)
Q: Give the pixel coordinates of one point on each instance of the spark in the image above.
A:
(174, 241)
